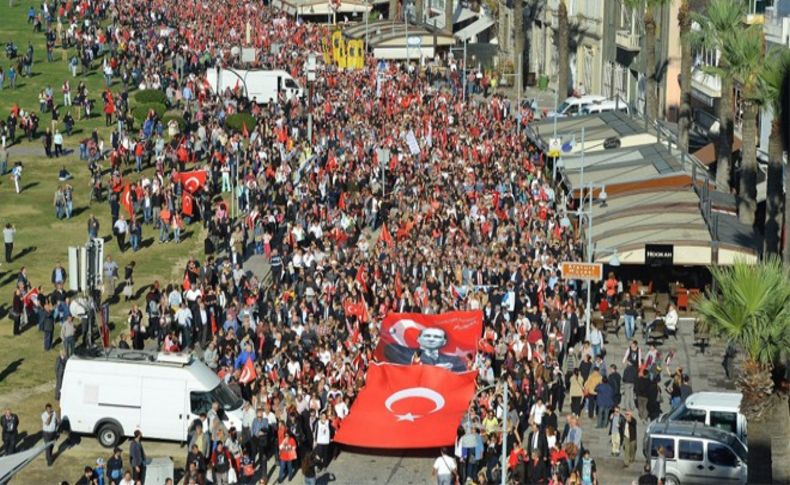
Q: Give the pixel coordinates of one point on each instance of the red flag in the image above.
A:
(186, 283)
(362, 275)
(104, 330)
(193, 180)
(386, 236)
(342, 202)
(213, 324)
(244, 131)
(248, 373)
(126, 200)
(398, 286)
(401, 333)
(28, 298)
(407, 407)
(352, 308)
(186, 204)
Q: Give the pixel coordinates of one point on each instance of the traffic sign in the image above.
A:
(582, 271)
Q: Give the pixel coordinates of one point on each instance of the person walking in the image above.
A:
(16, 176)
(444, 468)
(49, 428)
(10, 424)
(120, 228)
(287, 457)
(137, 457)
(8, 237)
(629, 438)
(60, 369)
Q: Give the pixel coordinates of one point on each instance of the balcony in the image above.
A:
(628, 41)
(776, 28)
(705, 87)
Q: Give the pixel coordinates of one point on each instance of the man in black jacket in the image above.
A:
(10, 423)
(629, 438)
(615, 381)
(536, 442)
(115, 467)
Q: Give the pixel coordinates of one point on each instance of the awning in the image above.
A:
(707, 154)
(475, 28)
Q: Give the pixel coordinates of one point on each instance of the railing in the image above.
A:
(628, 40)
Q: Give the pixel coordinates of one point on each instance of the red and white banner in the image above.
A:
(417, 406)
(192, 181)
(443, 340)
(126, 200)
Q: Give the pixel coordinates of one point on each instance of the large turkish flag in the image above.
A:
(400, 333)
(193, 180)
(415, 406)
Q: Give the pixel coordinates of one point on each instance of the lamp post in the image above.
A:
(588, 214)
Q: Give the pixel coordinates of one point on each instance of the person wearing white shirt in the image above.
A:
(444, 468)
(322, 436)
(120, 228)
(537, 412)
(341, 409)
(49, 428)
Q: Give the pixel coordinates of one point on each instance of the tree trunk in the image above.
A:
(448, 16)
(773, 199)
(518, 33)
(563, 56)
(786, 229)
(650, 64)
(747, 196)
(684, 114)
(393, 10)
(724, 140)
(419, 11)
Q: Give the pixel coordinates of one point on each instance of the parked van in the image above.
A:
(716, 409)
(697, 454)
(260, 86)
(113, 394)
(606, 106)
(574, 106)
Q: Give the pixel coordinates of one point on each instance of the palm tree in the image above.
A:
(684, 116)
(743, 54)
(651, 91)
(448, 16)
(518, 32)
(563, 54)
(771, 79)
(721, 20)
(752, 312)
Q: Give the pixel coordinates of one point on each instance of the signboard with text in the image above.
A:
(582, 271)
(659, 255)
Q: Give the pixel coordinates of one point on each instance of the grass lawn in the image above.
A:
(26, 371)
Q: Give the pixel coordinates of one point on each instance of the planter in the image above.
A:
(543, 82)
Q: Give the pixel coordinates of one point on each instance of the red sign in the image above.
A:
(418, 406)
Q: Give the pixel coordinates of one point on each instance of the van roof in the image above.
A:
(150, 357)
(715, 400)
(685, 429)
(590, 98)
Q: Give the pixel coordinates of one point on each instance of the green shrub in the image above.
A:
(148, 96)
(179, 119)
(237, 121)
(140, 112)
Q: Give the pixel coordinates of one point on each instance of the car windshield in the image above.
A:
(226, 398)
(561, 108)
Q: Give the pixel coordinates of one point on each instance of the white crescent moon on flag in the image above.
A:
(189, 183)
(245, 375)
(398, 330)
(424, 392)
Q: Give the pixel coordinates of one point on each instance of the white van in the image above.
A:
(121, 391)
(716, 409)
(574, 106)
(697, 454)
(606, 106)
(260, 86)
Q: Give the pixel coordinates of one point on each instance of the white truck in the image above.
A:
(117, 392)
(260, 86)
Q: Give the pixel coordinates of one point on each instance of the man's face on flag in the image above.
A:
(432, 339)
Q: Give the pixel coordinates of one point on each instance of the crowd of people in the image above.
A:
(407, 197)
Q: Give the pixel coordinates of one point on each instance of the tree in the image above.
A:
(393, 10)
(743, 53)
(721, 20)
(448, 16)
(563, 54)
(752, 311)
(518, 32)
(684, 115)
(770, 91)
(651, 91)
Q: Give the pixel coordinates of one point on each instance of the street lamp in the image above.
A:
(586, 212)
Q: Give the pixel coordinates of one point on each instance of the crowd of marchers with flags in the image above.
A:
(404, 293)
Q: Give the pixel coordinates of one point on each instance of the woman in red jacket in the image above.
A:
(287, 457)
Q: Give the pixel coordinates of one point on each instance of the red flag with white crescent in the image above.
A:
(454, 334)
(28, 298)
(193, 181)
(126, 200)
(386, 236)
(400, 407)
(248, 373)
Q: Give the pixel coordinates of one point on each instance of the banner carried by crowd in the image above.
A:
(446, 340)
(411, 406)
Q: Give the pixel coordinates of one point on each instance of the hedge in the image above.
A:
(236, 122)
(140, 112)
(148, 96)
(179, 119)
